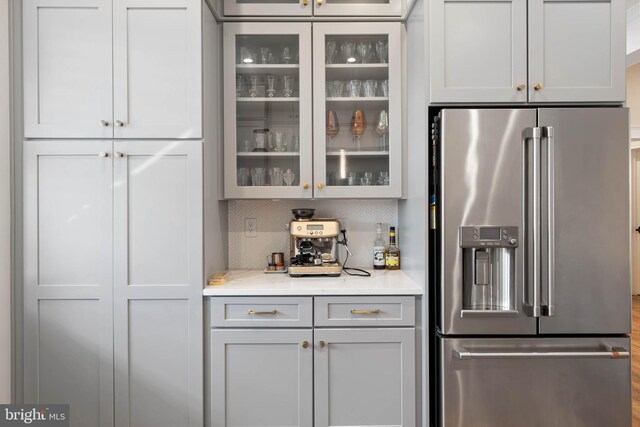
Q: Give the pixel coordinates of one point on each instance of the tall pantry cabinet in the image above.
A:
(113, 210)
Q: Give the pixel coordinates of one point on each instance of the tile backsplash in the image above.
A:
(358, 217)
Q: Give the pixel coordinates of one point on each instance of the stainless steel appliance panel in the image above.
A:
(535, 382)
(482, 185)
(590, 283)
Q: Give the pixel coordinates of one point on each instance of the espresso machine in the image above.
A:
(314, 245)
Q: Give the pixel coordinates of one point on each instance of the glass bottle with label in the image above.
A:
(379, 247)
(392, 253)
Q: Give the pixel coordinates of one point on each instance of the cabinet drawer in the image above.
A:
(364, 311)
(255, 312)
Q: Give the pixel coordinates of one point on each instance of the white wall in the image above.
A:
(5, 217)
(633, 95)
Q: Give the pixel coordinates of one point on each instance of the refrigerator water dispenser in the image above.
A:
(489, 264)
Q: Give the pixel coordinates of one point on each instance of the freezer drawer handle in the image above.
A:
(612, 353)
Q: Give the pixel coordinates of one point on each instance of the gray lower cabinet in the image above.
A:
(364, 377)
(307, 377)
(262, 377)
(113, 281)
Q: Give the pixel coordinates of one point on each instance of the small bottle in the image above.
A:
(379, 247)
(392, 253)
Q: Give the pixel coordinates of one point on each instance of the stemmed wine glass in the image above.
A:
(331, 51)
(382, 49)
(332, 127)
(358, 126)
(348, 50)
(289, 177)
(382, 128)
(364, 51)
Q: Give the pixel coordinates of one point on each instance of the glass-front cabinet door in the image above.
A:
(357, 110)
(267, 99)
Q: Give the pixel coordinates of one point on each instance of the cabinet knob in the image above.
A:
(538, 86)
(305, 344)
(320, 186)
(119, 123)
(119, 154)
(103, 154)
(305, 186)
(321, 344)
(521, 87)
(104, 123)
(319, 2)
(305, 2)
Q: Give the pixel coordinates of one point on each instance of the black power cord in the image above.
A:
(346, 269)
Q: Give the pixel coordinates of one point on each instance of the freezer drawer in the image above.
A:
(534, 382)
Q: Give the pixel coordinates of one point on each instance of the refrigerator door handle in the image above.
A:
(609, 353)
(531, 220)
(549, 309)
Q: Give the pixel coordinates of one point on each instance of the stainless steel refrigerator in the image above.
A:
(533, 293)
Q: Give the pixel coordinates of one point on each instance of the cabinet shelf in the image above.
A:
(267, 99)
(375, 102)
(268, 154)
(358, 153)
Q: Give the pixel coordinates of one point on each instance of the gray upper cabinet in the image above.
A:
(158, 283)
(364, 377)
(112, 68)
(68, 302)
(575, 51)
(262, 378)
(479, 51)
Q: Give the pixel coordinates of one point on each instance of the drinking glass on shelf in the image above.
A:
(382, 128)
(332, 126)
(364, 51)
(271, 85)
(258, 177)
(335, 88)
(348, 50)
(383, 178)
(354, 88)
(288, 85)
(331, 178)
(358, 126)
(275, 177)
(264, 55)
(244, 177)
(247, 146)
(367, 178)
(295, 144)
(352, 178)
(239, 85)
(286, 55)
(330, 52)
(384, 88)
(382, 49)
(279, 141)
(253, 86)
(370, 87)
(289, 177)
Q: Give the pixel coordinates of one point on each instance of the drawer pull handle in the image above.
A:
(376, 311)
(253, 313)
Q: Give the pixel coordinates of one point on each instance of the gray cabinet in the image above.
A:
(261, 377)
(68, 300)
(302, 377)
(112, 68)
(364, 377)
(113, 267)
(481, 51)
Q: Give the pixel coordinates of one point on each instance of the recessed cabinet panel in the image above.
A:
(576, 51)
(157, 69)
(479, 51)
(268, 7)
(358, 7)
(68, 276)
(67, 68)
(69, 357)
(364, 377)
(261, 378)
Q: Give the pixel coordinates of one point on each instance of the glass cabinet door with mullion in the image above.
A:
(357, 110)
(267, 114)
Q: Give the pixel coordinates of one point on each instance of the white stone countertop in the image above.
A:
(256, 282)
